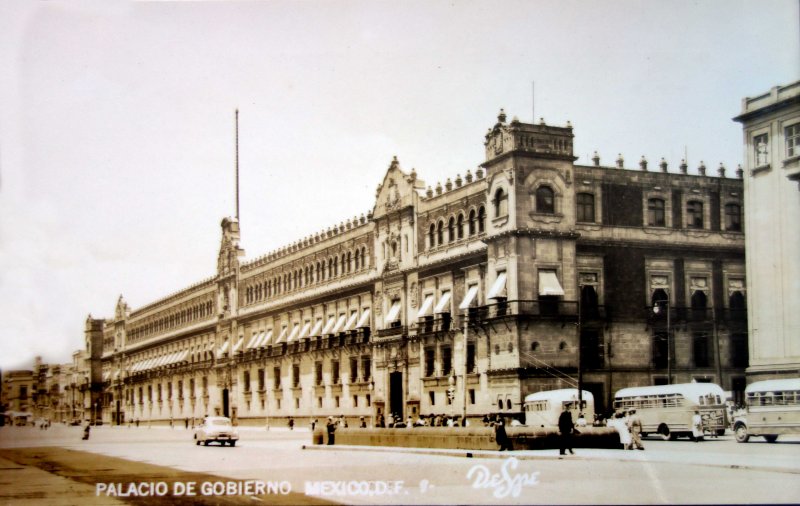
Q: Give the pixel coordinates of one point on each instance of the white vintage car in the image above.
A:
(216, 428)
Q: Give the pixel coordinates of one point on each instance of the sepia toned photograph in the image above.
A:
(423, 252)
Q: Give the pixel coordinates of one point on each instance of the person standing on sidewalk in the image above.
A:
(565, 428)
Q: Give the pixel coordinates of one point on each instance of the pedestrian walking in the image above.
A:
(635, 428)
(565, 428)
(618, 424)
(86, 429)
(291, 423)
(362, 423)
(186, 423)
(331, 427)
(697, 426)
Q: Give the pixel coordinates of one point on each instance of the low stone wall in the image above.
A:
(468, 438)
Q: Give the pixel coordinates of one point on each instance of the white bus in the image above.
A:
(542, 409)
(772, 408)
(667, 410)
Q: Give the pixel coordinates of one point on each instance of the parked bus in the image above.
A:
(542, 409)
(667, 410)
(772, 408)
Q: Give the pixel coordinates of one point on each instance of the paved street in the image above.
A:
(714, 471)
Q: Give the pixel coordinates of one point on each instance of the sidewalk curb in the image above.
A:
(527, 455)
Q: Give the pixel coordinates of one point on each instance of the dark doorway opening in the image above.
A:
(396, 395)
(225, 401)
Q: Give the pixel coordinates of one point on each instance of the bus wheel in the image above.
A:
(741, 433)
(771, 438)
(665, 433)
(720, 432)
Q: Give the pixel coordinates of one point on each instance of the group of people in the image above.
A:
(629, 427)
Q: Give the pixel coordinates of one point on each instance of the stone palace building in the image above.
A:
(531, 274)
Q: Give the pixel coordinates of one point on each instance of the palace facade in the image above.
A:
(531, 274)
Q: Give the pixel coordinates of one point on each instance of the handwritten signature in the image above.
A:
(504, 483)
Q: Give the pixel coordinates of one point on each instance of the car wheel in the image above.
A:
(197, 442)
(771, 438)
(205, 443)
(233, 443)
(740, 430)
(666, 434)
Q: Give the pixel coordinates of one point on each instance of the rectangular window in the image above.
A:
(432, 397)
(191, 388)
(733, 217)
(169, 390)
(792, 136)
(660, 352)
(295, 375)
(430, 355)
(353, 369)
(761, 150)
(246, 381)
(700, 346)
(180, 390)
(318, 373)
(335, 376)
(694, 214)
(447, 360)
(470, 358)
(655, 213)
(261, 376)
(585, 209)
(366, 368)
(276, 375)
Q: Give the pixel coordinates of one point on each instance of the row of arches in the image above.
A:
(457, 226)
(173, 320)
(318, 272)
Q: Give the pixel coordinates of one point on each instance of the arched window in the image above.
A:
(330, 268)
(545, 200)
(358, 259)
(472, 220)
(349, 267)
(460, 226)
(694, 214)
(585, 207)
(335, 267)
(451, 230)
(655, 213)
(481, 220)
(733, 217)
(500, 203)
(432, 236)
(659, 297)
(440, 233)
(364, 257)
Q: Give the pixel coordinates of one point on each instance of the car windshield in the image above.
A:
(220, 423)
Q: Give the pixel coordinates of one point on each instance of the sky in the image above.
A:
(118, 131)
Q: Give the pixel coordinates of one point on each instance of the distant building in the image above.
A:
(549, 270)
(771, 125)
(18, 392)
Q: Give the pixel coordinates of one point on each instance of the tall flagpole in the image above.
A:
(237, 166)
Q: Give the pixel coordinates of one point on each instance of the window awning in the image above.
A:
(106, 376)
(329, 325)
(548, 284)
(254, 340)
(317, 327)
(469, 297)
(350, 321)
(499, 287)
(295, 332)
(443, 305)
(237, 345)
(393, 312)
(182, 356)
(304, 330)
(222, 349)
(282, 336)
(339, 323)
(426, 305)
(265, 339)
(364, 320)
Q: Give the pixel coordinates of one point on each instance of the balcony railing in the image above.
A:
(683, 314)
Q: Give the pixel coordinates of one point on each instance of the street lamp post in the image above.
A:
(580, 352)
(656, 310)
(464, 381)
